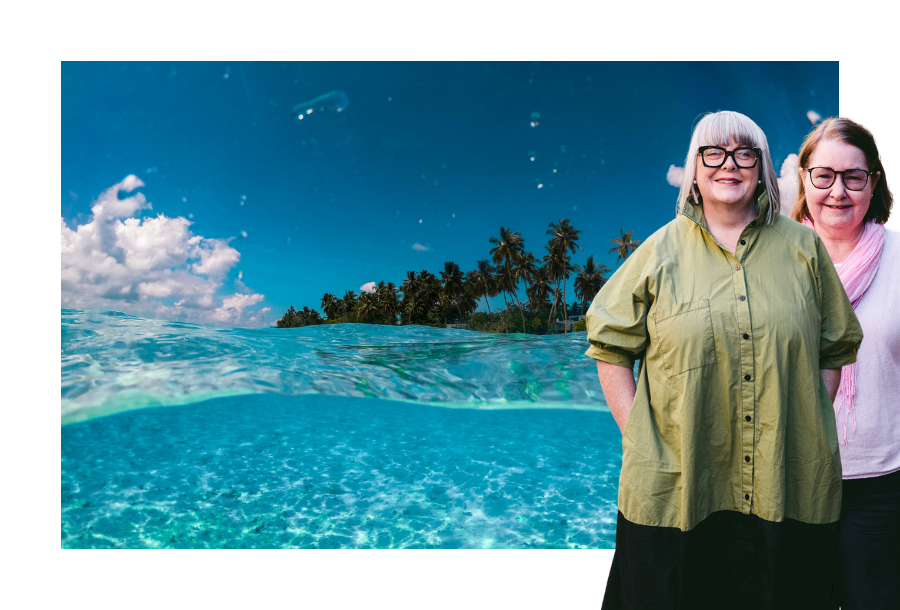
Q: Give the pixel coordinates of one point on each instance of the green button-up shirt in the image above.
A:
(730, 412)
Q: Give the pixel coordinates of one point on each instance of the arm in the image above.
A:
(832, 379)
(619, 389)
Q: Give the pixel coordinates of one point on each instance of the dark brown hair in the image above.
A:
(844, 130)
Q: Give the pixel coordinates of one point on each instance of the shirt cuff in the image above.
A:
(611, 356)
(836, 361)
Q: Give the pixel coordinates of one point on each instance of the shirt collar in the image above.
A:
(695, 212)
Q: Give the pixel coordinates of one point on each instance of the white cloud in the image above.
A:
(152, 266)
(154, 243)
(675, 175)
(232, 308)
(259, 318)
(788, 182)
(216, 257)
(368, 287)
(419, 247)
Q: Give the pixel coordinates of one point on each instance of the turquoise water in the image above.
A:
(345, 436)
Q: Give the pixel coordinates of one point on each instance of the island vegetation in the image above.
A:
(452, 297)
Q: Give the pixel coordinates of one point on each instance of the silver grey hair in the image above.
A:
(718, 129)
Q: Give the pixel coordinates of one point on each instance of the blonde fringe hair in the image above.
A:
(718, 129)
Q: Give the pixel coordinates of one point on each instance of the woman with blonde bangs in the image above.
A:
(730, 489)
(844, 197)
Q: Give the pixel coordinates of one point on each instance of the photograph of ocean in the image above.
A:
(336, 304)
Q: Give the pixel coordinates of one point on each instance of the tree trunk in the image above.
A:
(552, 328)
(486, 302)
(521, 311)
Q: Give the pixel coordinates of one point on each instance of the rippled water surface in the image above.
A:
(332, 436)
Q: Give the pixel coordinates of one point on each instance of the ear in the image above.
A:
(875, 178)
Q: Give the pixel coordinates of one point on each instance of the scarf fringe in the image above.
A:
(845, 401)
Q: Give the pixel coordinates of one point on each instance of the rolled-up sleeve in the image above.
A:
(617, 318)
(841, 331)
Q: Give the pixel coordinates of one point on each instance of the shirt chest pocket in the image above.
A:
(685, 338)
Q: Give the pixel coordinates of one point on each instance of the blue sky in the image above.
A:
(426, 162)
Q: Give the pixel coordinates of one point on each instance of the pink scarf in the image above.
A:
(856, 273)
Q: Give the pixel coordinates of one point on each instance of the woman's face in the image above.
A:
(728, 185)
(837, 209)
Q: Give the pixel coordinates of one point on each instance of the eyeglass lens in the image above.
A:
(743, 157)
(854, 179)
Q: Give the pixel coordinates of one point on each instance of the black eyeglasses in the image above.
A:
(824, 177)
(744, 157)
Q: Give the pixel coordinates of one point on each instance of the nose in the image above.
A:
(837, 189)
(729, 163)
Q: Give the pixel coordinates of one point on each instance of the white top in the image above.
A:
(874, 449)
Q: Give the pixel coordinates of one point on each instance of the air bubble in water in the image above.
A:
(333, 101)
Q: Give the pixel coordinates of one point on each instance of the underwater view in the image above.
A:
(340, 436)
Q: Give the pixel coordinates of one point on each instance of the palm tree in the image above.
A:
(288, 319)
(413, 308)
(589, 281)
(429, 292)
(484, 283)
(506, 282)
(508, 252)
(539, 289)
(624, 245)
(558, 269)
(386, 295)
(330, 305)
(563, 239)
(410, 304)
(526, 268)
(452, 280)
(348, 303)
(468, 299)
(508, 248)
(366, 306)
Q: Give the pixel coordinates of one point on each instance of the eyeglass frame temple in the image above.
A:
(731, 154)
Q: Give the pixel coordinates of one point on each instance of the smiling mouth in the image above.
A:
(728, 181)
(836, 207)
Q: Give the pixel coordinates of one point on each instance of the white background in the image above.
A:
(37, 37)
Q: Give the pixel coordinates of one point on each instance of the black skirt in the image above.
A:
(729, 561)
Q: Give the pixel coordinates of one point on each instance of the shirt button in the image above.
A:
(742, 297)
(746, 458)
(738, 267)
(743, 243)
(746, 377)
(748, 418)
(746, 336)
(746, 496)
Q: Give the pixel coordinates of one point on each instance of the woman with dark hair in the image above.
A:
(844, 197)
(730, 489)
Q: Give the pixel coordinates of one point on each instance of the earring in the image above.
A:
(695, 182)
(759, 182)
